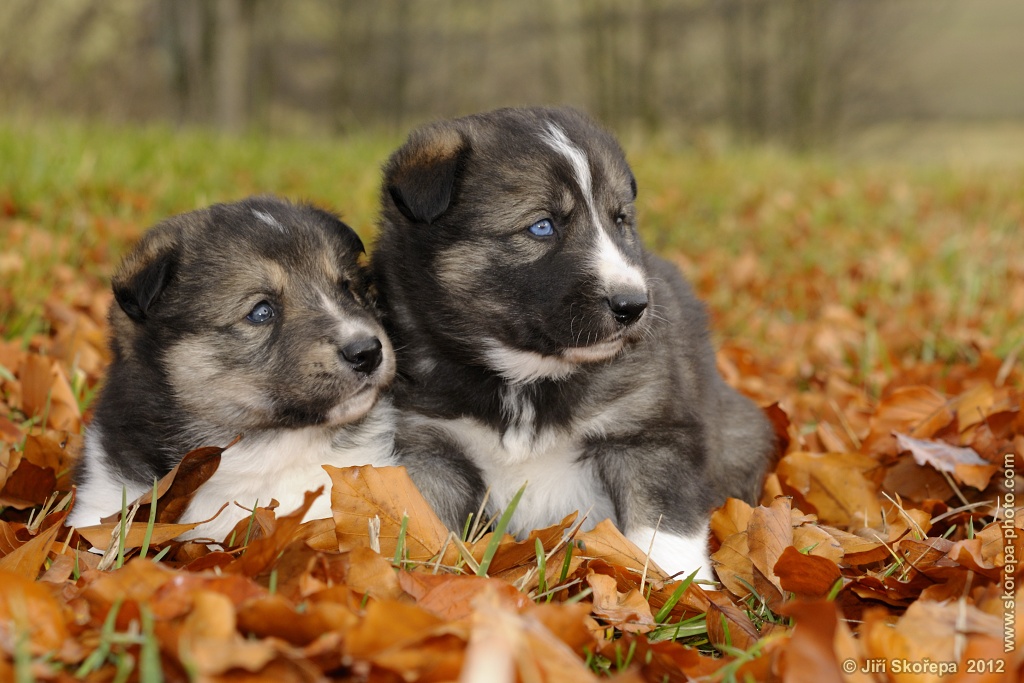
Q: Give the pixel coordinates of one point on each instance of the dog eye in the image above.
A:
(542, 228)
(260, 313)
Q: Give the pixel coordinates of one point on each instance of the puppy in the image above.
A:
(539, 342)
(250, 318)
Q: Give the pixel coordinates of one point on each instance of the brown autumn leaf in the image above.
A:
(261, 554)
(451, 597)
(606, 542)
(821, 640)
(512, 553)
(371, 574)
(917, 410)
(27, 486)
(807, 576)
(505, 646)
(927, 631)
(54, 450)
(390, 625)
(359, 494)
(733, 564)
(627, 611)
(33, 610)
(176, 488)
(729, 626)
(45, 390)
(770, 531)
(836, 485)
(209, 639)
(273, 616)
(100, 535)
(731, 518)
(26, 560)
(963, 463)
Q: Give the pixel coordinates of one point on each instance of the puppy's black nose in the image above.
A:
(364, 355)
(627, 308)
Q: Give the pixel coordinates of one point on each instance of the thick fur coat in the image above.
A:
(539, 342)
(248, 319)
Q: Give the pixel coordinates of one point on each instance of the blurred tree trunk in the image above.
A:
(234, 25)
(746, 62)
(648, 106)
(599, 28)
(806, 62)
(186, 34)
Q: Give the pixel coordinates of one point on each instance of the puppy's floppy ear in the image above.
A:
(420, 177)
(349, 237)
(146, 271)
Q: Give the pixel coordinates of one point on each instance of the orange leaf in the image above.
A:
(769, 533)
(28, 558)
(606, 542)
(808, 576)
(28, 485)
(46, 390)
(31, 609)
(628, 611)
(358, 494)
(261, 554)
(836, 485)
(450, 596)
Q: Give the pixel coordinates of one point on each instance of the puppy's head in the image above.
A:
(256, 314)
(510, 238)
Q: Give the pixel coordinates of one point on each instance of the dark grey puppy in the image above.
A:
(539, 341)
(249, 318)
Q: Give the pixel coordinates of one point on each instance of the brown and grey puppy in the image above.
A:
(249, 318)
(540, 342)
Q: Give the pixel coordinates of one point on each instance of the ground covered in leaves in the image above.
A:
(874, 312)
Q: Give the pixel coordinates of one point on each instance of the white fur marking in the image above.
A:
(558, 483)
(284, 468)
(522, 367)
(268, 219)
(675, 554)
(100, 495)
(560, 142)
(612, 267)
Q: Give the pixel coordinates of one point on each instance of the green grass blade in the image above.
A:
(152, 520)
(666, 609)
(499, 531)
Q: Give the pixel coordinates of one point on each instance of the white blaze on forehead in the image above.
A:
(611, 265)
(268, 219)
(348, 328)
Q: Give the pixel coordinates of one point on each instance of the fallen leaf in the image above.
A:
(607, 542)
(450, 597)
(358, 494)
(28, 607)
(807, 576)
(627, 611)
(26, 560)
(963, 463)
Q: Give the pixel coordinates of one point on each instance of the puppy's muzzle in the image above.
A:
(363, 355)
(627, 307)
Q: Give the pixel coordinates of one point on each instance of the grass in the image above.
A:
(769, 239)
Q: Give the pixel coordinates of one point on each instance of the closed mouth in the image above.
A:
(357, 404)
(594, 352)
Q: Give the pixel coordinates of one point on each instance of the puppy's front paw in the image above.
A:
(677, 555)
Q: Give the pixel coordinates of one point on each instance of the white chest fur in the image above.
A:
(557, 481)
(282, 467)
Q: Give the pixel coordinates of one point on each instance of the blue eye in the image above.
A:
(542, 228)
(261, 313)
